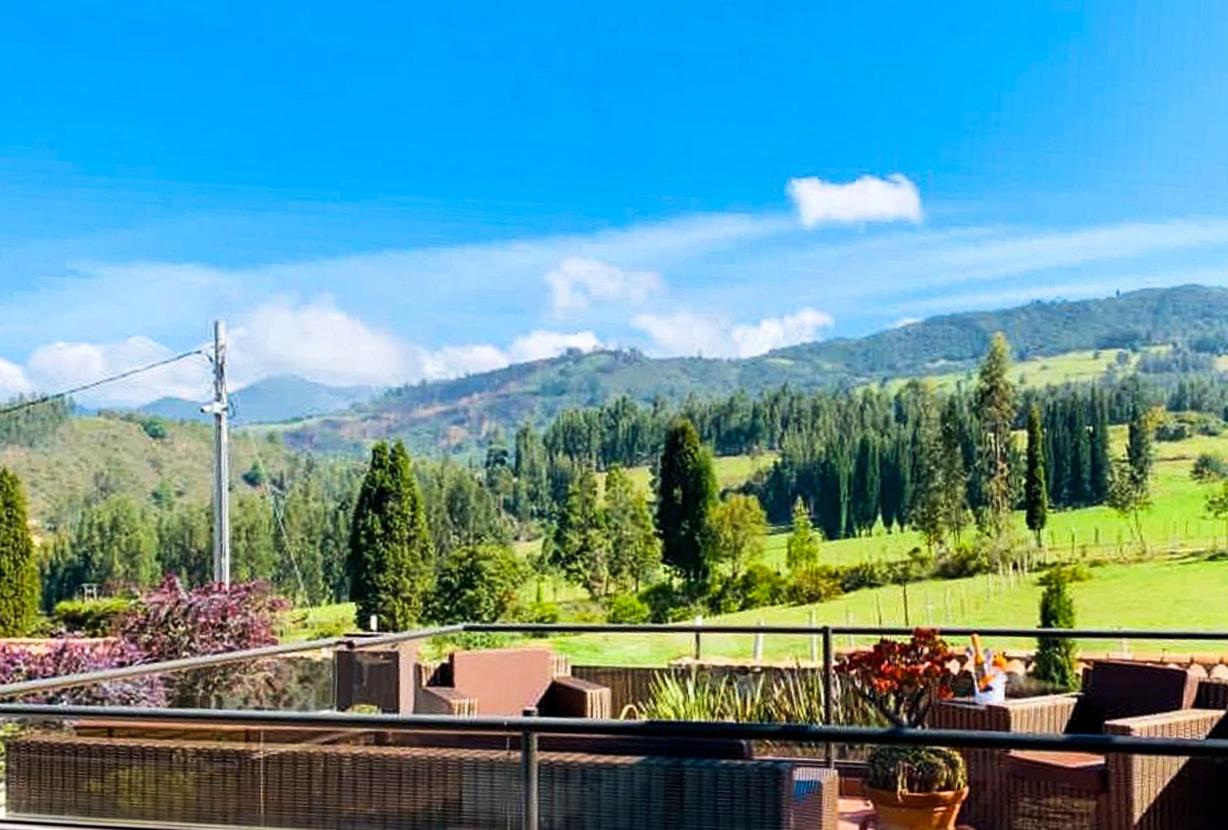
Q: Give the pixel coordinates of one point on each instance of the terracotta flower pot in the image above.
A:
(916, 811)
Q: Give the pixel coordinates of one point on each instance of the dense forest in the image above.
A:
(461, 415)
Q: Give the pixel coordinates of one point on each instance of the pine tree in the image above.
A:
(803, 548)
(995, 406)
(1036, 495)
(686, 492)
(19, 588)
(390, 551)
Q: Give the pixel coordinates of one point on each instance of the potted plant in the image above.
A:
(911, 787)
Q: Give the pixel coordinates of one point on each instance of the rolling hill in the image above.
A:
(271, 400)
(457, 415)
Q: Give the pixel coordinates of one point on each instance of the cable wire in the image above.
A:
(27, 404)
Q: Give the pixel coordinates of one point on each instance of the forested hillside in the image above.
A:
(463, 415)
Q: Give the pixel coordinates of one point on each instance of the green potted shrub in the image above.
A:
(911, 787)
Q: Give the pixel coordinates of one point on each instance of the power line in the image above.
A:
(27, 404)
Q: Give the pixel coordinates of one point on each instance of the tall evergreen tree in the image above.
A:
(995, 406)
(1100, 461)
(18, 571)
(803, 549)
(1036, 495)
(952, 476)
(866, 483)
(686, 492)
(390, 552)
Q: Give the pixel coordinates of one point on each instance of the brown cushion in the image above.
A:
(1120, 689)
(505, 680)
(1077, 770)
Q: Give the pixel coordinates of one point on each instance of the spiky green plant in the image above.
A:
(916, 769)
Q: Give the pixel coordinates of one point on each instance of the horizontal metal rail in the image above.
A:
(723, 730)
(69, 681)
(853, 630)
(360, 642)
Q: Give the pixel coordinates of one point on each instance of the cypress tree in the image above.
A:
(803, 549)
(390, 546)
(1036, 495)
(1100, 463)
(686, 491)
(866, 484)
(1055, 656)
(891, 485)
(1080, 451)
(19, 589)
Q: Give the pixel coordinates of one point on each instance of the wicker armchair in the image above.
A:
(506, 681)
(1025, 790)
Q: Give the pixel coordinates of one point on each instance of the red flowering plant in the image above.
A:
(901, 680)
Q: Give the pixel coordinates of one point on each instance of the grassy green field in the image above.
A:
(1177, 592)
(1071, 367)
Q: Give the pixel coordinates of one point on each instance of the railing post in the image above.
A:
(528, 772)
(699, 621)
(829, 685)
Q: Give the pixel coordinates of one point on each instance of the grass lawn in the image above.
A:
(1175, 592)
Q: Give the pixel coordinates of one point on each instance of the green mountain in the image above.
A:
(271, 400)
(460, 414)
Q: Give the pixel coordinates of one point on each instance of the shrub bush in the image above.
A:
(170, 622)
(73, 656)
(627, 609)
(91, 617)
(1209, 467)
(540, 612)
(865, 575)
(964, 560)
(662, 599)
(814, 584)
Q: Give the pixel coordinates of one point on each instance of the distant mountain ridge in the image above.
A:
(456, 414)
(271, 400)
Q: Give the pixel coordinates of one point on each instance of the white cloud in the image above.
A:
(540, 344)
(61, 365)
(868, 199)
(13, 380)
(689, 333)
(317, 341)
(905, 321)
(577, 281)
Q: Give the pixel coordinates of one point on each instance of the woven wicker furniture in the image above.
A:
(370, 787)
(1027, 790)
(506, 681)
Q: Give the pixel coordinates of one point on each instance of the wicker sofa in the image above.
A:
(506, 681)
(1012, 790)
(228, 779)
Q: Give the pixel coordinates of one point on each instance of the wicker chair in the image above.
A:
(1031, 790)
(505, 681)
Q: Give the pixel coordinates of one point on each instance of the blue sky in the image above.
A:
(378, 193)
